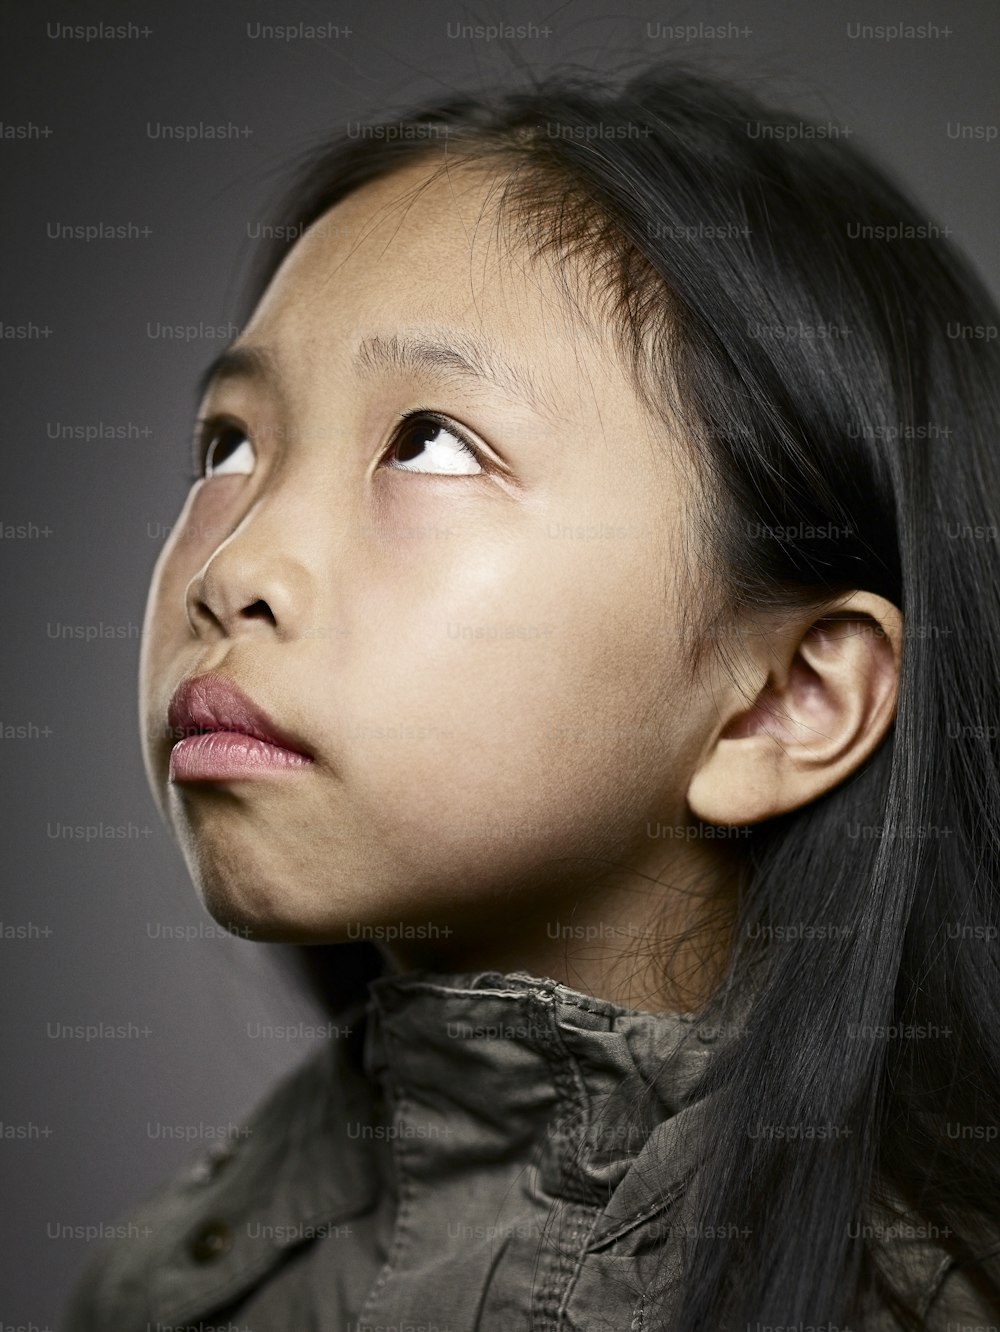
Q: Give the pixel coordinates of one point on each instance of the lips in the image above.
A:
(213, 703)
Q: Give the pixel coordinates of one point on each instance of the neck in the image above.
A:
(636, 943)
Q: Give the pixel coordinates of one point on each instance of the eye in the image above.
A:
(429, 443)
(223, 449)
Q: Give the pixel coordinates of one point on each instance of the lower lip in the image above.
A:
(215, 756)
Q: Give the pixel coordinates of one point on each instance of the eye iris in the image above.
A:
(414, 438)
(223, 444)
(442, 445)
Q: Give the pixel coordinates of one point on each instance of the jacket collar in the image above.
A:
(507, 1062)
(587, 1085)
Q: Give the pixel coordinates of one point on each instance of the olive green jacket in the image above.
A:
(454, 1158)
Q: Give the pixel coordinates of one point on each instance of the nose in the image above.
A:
(253, 583)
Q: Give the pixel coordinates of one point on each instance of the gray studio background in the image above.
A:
(82, 937)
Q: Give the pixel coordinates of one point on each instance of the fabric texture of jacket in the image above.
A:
(453, 1159)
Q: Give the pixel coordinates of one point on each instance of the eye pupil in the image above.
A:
(414, 438)
(223, 443)
(226, 450)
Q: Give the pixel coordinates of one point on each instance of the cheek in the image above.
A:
(203, 523)
(506, 687)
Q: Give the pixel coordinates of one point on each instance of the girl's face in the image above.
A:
(469, 623)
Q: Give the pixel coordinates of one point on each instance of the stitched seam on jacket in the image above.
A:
(574, 1275)
(627, 1225)
(400, 1226)
(639, 1316)
(564, 1259)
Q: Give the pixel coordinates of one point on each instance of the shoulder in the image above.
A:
(227, 1216)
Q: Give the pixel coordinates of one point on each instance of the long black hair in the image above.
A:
(829, 354)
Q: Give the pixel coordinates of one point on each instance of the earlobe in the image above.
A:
(822, 698)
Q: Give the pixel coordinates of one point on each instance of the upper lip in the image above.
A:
(214, 703)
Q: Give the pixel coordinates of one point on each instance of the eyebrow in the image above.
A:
(466, 356)
(462, 355)
(253, 363)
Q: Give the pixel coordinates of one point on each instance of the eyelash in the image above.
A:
(207, 428)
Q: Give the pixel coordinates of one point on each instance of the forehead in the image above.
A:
(422, 248)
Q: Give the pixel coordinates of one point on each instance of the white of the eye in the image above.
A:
(457, 452)
(239, 463)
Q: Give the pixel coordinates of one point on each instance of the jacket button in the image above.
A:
(210, 1241)
(209, 1165)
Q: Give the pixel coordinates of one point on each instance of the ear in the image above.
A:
(821, 697)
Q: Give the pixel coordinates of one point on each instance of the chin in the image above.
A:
(253, 902)
(262, 913)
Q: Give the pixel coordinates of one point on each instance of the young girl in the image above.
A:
(585, 619)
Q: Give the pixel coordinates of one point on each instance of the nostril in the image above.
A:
(259, 610)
